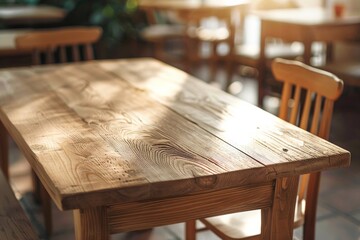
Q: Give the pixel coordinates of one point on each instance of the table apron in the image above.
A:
(148, 214)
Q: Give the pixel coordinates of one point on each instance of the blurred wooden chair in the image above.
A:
(48, 44)
(214, 27)
(321, 89)
(247, 53)
(164, 26)
(51, 46)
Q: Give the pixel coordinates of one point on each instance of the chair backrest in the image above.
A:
(59, 41)
(307, 101)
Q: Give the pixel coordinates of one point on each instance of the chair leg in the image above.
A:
(311, 205)
(190, 230)
(41, 196)
(46, 207)
(36, 187)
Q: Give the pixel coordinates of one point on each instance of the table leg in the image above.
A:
(4, 150)
(91, 224)
(284, 208)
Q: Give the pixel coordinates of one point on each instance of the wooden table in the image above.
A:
(30, 15)
(134, 143)
(306, 25)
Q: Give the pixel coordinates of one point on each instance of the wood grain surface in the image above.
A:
(106, 132)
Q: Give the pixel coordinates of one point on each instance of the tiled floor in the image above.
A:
(339, 202)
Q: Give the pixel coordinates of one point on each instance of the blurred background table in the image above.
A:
(306, 25)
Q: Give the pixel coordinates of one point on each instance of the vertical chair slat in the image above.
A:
(36, 57)
(63, 57)
(285, 96)
(75, 53)
(306, 111)
(294, 111)
(89, 53)
(49, 58)
(326, 119)
(316, 115)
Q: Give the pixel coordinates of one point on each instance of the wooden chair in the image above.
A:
(198, 33)
(248, 54)
(14, 225)
(159, 32)
(321, 89)
(50, 46)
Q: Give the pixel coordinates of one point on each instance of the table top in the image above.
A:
(308, 16)
(107, 132)
(190, 4)
(22, 14)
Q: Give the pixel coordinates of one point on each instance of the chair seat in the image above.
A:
(273, 50)
(159, 32)
(245, 224)
(349, 72)
(209, 34)
(236, 225)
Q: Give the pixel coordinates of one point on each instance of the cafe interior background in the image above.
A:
(123, 22)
